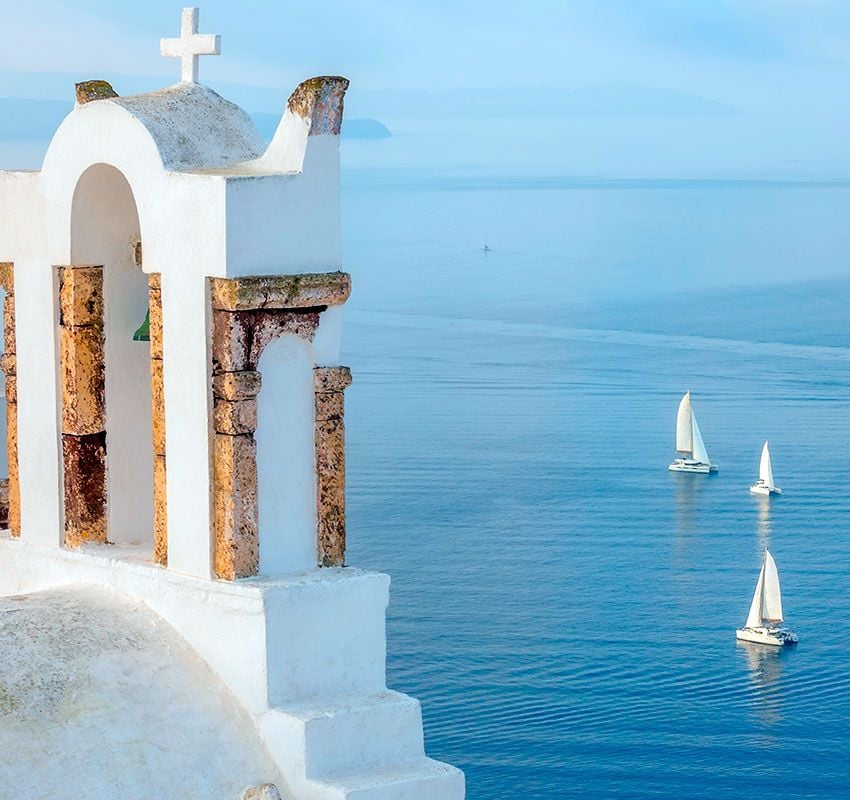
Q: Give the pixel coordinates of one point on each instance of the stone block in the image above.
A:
(330, 485)
(87, 91)
(83, 401)
(4, 503)
(9, 342)
(235, 416)
(330, 405)
(81, 295)
(12, 458)
(160, 514)
(237, 546)
(11, 388)
(7, 277)
(9, 364)
(158, 406)
(280, 291)
(155, 309)
(231, 340)
(237, 385)
(85, 488)
(331, 379)
(270, 325)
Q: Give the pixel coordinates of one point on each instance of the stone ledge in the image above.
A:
(307, 290)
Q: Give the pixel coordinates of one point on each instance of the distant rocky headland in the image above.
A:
(24, 119)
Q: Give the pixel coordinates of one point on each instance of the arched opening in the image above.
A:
(105, 232)
(286, 477)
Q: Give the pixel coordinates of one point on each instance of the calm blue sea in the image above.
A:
(564, 607)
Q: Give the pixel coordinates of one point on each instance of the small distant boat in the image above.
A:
(765, 485)
(485, 247)
(689, 443)
(762, 625)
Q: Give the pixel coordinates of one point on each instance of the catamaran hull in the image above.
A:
(775, 637)
(764, 491)
(697, 467)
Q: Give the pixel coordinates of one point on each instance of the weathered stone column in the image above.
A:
(81, 339)
(8, 363)
(160, 515)
(237, 543)
(329, 385)
(247, 314)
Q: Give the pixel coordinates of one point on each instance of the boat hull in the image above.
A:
(775, 637)
(764, 491)
(688, 465)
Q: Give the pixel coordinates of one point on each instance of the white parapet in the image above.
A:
(304, 654)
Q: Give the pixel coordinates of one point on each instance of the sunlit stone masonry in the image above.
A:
(175, 427)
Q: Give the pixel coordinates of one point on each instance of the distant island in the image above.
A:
(351, 128)
(24, 119)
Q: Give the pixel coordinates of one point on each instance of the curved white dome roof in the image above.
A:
(101, 698)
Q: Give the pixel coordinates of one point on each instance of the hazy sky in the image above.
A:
(748, 53)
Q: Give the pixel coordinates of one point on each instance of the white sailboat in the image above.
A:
(765, 485)
(693, 456)
(762, 625)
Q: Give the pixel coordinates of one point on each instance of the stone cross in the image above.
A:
(190, 45)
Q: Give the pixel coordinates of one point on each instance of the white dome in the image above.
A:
(101, 698)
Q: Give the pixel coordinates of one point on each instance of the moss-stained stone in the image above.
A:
(160, 513)
(237, 546)
(85, 488)
(83, 400)
(235, 416)
(7, 277)
(308, 290)
(320, 100)
(81, 295)
(237, 385)
(87, 91)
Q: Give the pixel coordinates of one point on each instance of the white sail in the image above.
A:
(766, 607)
(754, 617)
(766, 469)
(700, 453)
(684, 428)
(772, 604)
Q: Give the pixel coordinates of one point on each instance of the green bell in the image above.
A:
(143, 333)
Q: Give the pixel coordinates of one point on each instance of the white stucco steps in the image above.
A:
(333, 735)
(422, 779)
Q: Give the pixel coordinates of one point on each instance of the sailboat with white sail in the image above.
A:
(763, 621)
(765, 484)
(693, 456)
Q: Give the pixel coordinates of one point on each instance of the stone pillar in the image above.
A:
(247, 314)
(160, 516)
(8, 363)
(81, 339)
(236, 548)
(329, 385)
